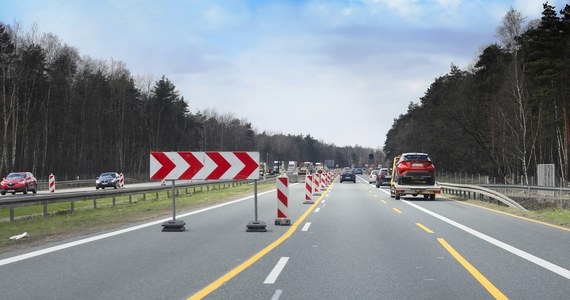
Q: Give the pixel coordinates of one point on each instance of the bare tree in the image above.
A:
(520, 125)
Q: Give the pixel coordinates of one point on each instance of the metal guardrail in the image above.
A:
(13, 202)
(71, 184)
(473, 191)
(528, 188)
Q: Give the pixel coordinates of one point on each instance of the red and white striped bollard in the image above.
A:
(51, 183)
(282, 201)
(316, 185)
(121, 180)
(309, 189)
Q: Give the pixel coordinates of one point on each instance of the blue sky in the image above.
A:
(341, 71)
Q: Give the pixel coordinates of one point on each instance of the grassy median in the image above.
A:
(61, 223)
(554, 216)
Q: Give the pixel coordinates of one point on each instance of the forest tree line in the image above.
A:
(507, 113)
(73, 115)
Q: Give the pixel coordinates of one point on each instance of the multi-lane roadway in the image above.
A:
(355, 242)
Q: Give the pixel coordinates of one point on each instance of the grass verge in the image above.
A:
(554, 216)
(62, 224)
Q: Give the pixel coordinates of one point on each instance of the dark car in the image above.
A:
(18, 182)
(107, 179)
(348, 175)
(415, 168)
(383, 177)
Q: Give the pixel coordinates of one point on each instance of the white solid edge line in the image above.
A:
(537, 260)
(272, 277)
(306, 227)
(114, 233)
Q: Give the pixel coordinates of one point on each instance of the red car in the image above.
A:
(18, 182)
(415, 168)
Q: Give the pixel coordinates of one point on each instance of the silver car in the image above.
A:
(372, 177)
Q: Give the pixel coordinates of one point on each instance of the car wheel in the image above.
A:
(115, 186)
(354, 181)
(397, 197)
(432, 197)
(13, 193)
(25, 191)
(3, 193)
(96, 187)
(35, 191)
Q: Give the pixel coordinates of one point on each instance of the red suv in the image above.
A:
(18, 182)
(415, 168)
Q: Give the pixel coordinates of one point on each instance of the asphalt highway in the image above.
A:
(355, 242)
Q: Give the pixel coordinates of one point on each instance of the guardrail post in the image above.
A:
(72, 206)
(113, 200)
(130, 199)
(94, 203)
(45, 209)
(11, 214)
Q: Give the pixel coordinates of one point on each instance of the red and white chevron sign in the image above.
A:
(210, 165)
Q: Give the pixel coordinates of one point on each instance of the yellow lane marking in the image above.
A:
(482, 280)
(511, 215)
(424, 228)
(397, 210)
(231, 274)
(384, 201)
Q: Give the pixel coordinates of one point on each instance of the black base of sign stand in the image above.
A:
(258, 226)
(174, 225)
(283, 222)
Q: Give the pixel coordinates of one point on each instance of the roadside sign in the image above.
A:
(211, 165)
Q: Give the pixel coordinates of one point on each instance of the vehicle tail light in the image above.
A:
(430, 168)
(403, 166)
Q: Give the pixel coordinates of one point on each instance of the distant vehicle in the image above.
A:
(415, 168)
(18, 182)
(383, 177)
(372, 176)
(413, 174)
(292, 168)
(276, 167)
(107, 179)
(307, 168)
(348, 175)
(358, 171)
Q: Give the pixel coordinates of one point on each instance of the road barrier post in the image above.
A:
(121, 180)
(282, 201)
(51, 183)
(316, 184)
(309, 189)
